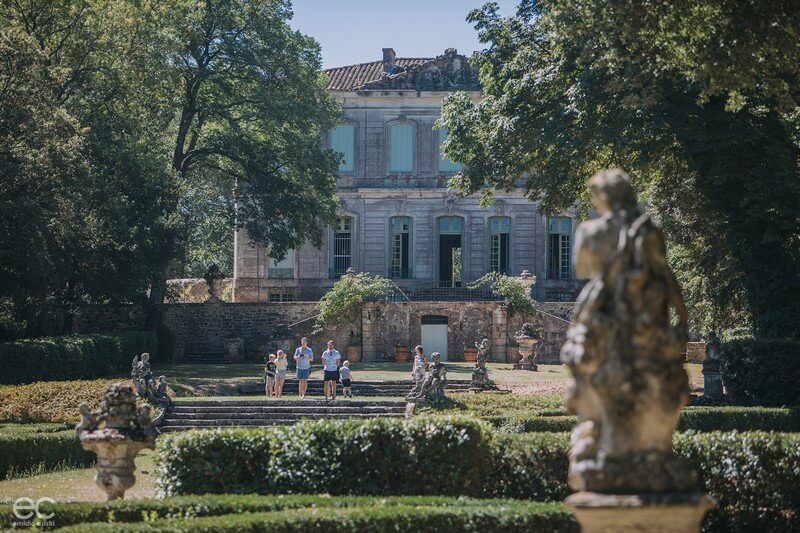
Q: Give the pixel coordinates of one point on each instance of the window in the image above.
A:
(278, 297)
(450, 257)
(400, 242)
(282, 269)
(342, 249)
(343, 141)
(499, 243)
(445, 165)
(401, 141)
(559, 235)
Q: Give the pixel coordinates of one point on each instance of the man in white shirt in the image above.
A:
(330, 361)
(303, 356)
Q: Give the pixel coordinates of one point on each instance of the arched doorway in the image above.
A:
(434, 334)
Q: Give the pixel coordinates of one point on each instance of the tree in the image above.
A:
(709, 137)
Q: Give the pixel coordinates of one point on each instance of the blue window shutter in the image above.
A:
(445, 165)
(402, 144)
(343, 141)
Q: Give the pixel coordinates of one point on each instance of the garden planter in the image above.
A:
(353, 354)
(401, 354)
(470, 355)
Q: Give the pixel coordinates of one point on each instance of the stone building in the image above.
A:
(397, 217)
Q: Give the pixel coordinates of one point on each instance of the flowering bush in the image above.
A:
(343, 302)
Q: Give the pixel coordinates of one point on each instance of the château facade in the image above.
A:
(396, 216)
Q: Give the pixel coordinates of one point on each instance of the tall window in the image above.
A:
(342, 257)
(559, 234)
(343, 140)
(283, 268)
(445, 165)
(400, 247)
(401, 141)
(451, 230)
(499, 244)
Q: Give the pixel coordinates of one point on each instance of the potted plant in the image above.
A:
(401, 354)
(470, 354)
(353, 349)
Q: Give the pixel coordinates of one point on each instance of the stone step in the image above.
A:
(244, 413)
(289, 402)
(215, 420)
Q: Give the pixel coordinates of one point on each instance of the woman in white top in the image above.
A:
(281, 365)
(419, 365)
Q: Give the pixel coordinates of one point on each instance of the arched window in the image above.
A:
(341, 249)
(400, 247)
(343, 141)
(445, 165)
(559, 243)
(401, 142)
(499, 244)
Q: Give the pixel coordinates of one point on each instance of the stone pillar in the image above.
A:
(712, 375)
(499, 333)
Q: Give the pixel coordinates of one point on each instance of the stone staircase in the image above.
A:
(360, 388)
(203, 358)
(190, 414)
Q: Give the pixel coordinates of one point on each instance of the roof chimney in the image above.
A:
(389, 60)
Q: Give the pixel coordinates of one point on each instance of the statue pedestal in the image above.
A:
(526, 365)
(670, 512)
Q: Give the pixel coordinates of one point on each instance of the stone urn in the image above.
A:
(527, 338)
(126, 431)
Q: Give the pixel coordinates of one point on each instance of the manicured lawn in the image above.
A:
(78, 484)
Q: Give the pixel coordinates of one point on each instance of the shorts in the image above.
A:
(332, 375)
(281, 374)
(303, 373)
(345, 383)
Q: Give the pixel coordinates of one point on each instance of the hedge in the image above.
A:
(381, 456)
(50, 401)
(73, 356)
(762, 371)
(754, 476)
(38, 449)
(293, 513)
(691, 419)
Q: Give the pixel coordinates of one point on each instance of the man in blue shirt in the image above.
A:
(330, 360)
(303, 356)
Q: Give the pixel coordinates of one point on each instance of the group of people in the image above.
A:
(277, 364)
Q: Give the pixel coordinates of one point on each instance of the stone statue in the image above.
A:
(712, 372)
(125, 431)
(154, 391)
(628, 382)
(480, 375)
(214, 277)
(430, 389)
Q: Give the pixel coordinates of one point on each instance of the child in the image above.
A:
(419, 366)
(344, 373)
(281, 364)
(269, 376)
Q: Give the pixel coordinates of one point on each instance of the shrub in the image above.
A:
(343, 302)
(762, 371)
(166, 345)
(424, 456)
(217, 512)
(39, 448)
(50, 401)
(72, 357)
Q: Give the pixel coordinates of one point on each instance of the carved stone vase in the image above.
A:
(127, 430)
(527, 347)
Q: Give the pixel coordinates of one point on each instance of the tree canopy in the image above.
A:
(703, 117)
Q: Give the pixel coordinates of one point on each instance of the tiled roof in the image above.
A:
(351, 77)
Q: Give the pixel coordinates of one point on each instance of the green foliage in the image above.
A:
(302, 512)
(166, 346)
(517, 297)
(342, 304)
(709, 133)
(50, 401)
(72, 357)
(762, 371)
(39, 448)
(385, 456)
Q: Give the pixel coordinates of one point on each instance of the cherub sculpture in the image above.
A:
(430, 389)
(480, 375)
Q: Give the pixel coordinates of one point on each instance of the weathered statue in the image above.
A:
(480, 375)
(624, 353)
(125, 431)
(430, 389)
(154, 391)
(713, 391)
(214, 277)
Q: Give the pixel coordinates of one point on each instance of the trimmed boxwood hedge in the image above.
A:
(754, 476)
(381, 456)
(301, 512)
(691, 419)
(72, 356)
(38, 449)
(762, 371)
